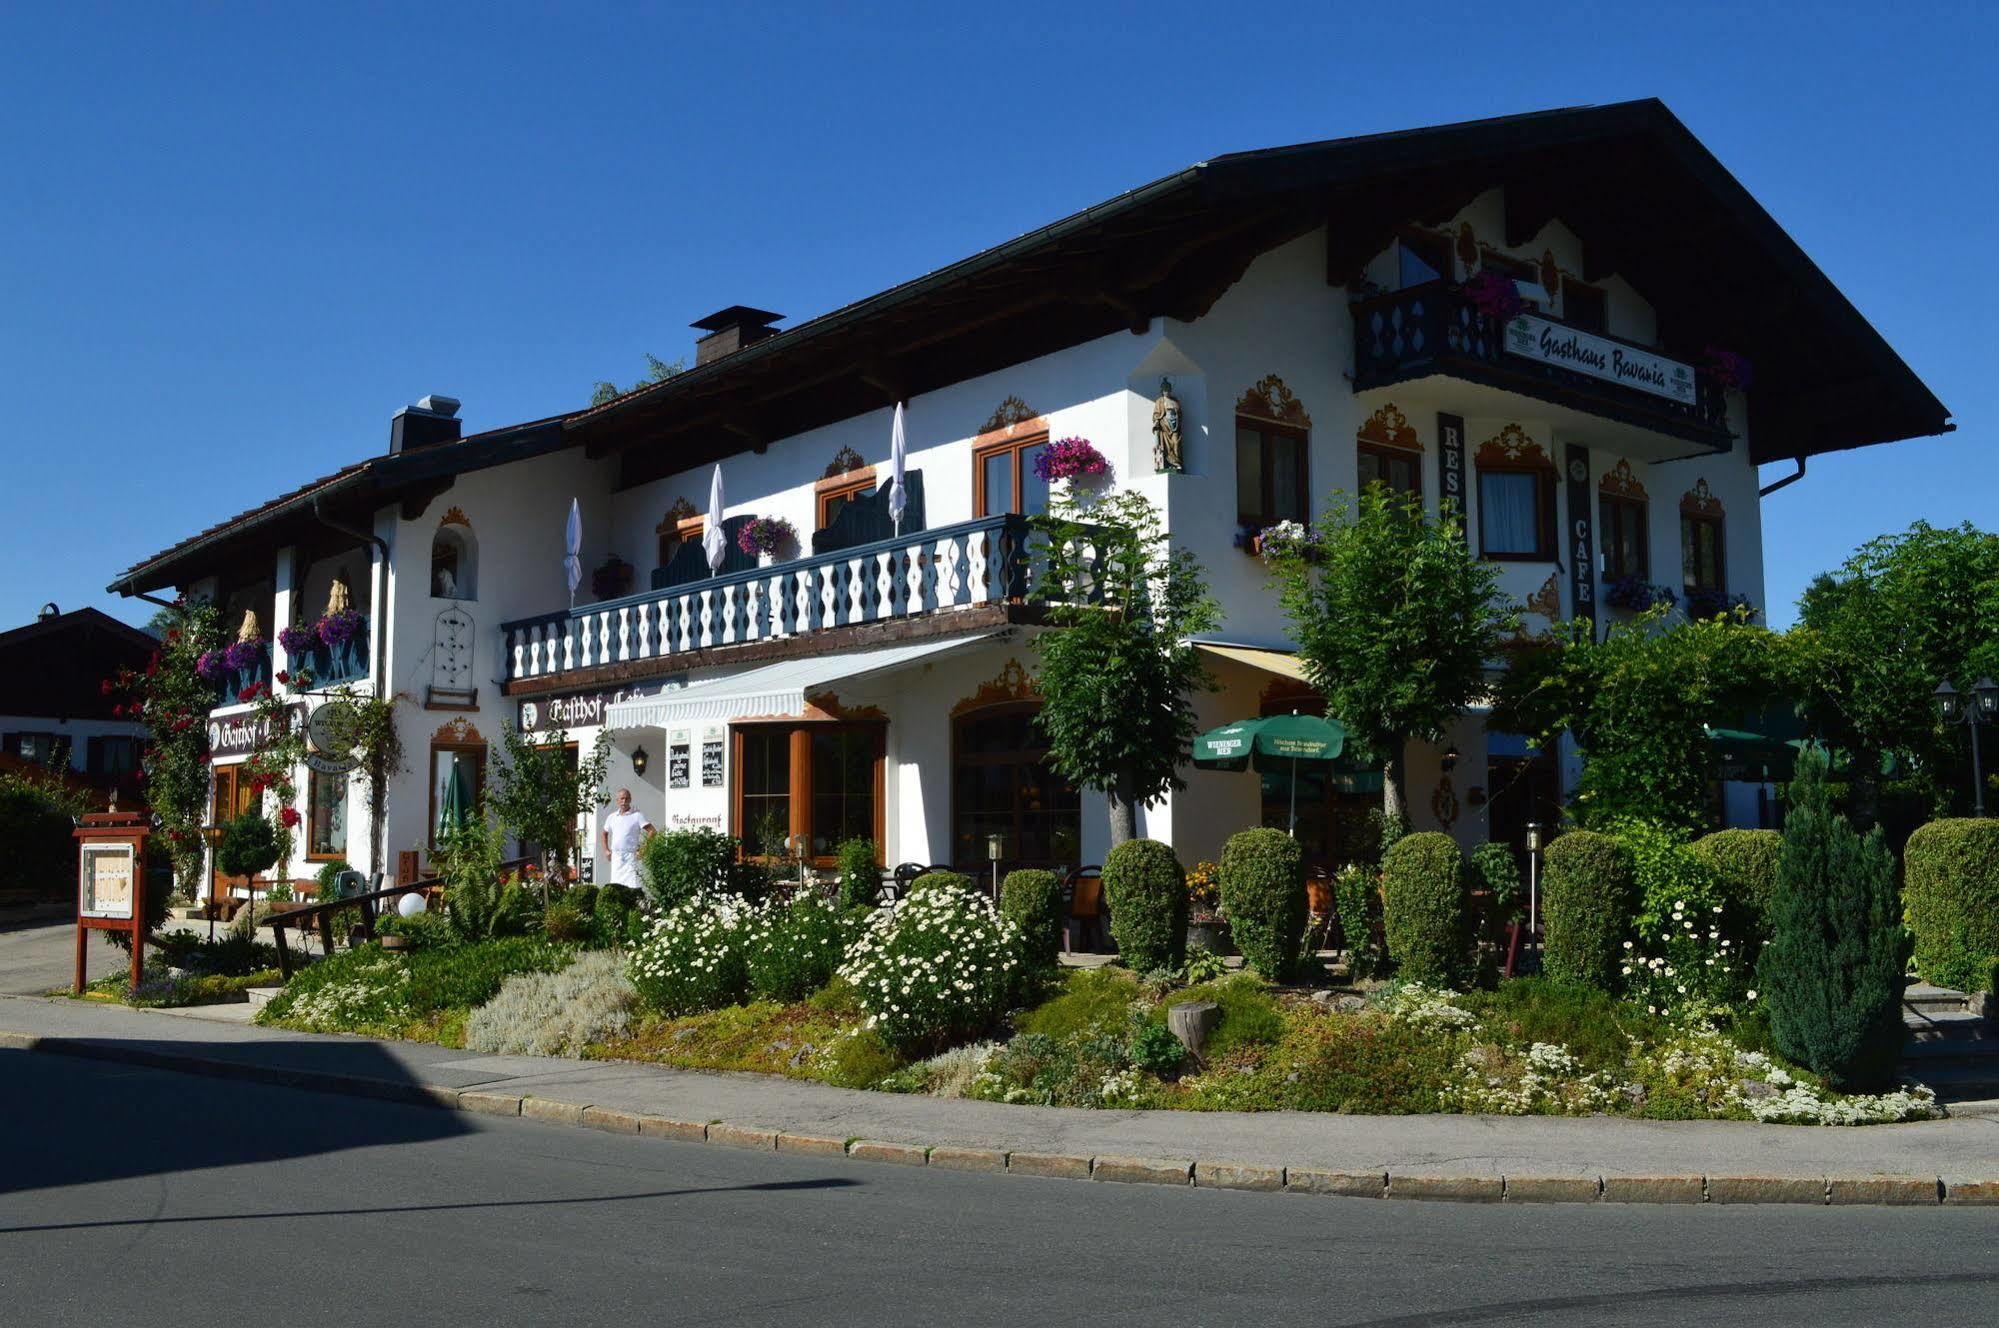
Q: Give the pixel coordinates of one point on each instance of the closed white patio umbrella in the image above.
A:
(572, 549)
(713, 542)
(898, 462)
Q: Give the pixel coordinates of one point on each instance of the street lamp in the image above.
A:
(1533, 875)
(994, 844)
(1982, 710)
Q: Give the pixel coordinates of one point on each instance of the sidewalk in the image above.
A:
(1954, 1160)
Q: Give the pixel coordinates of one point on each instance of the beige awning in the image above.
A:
(1280, 662)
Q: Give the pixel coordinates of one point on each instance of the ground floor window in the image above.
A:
(820, 783)
(1002, 784)
(326, 807)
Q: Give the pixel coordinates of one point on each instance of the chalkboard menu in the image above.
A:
(677, 762)
(711, 761)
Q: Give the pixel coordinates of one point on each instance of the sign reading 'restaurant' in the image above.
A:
(1587, 353)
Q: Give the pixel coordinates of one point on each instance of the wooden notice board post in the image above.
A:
(111, 881)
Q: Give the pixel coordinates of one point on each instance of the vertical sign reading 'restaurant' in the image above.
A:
(1451, 464)
(1582, 539)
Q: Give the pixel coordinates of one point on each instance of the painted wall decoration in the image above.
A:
(1271, 400)
(451, 658)
(1444, 803)
(844, 460)
(1389, 427)
(1700, 501)
(1513, 446)
(1012, 683)
(1010, 412)
(1620, 481)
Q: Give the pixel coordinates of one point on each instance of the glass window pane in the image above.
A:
(998, 482)
(1249, 475)
(1509, 513)
(1033, 489)
(328, 798)
(1414, 271)
(1287, 497)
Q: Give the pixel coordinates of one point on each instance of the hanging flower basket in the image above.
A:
(241, 655)
(1070, 459)
(1284, 540)
(298, 640)
(613, 579)
(337, 629)
(1495, 296)
(765, 535)
(1636, 595)
(1729, 369)
(210, 666)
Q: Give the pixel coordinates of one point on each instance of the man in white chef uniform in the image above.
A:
(624, 830)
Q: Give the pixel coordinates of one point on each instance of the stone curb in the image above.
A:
(1875, 1190)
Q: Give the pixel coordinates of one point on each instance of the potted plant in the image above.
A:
(1205, 924)
(762, 537)
(613, 579)
(1070, 459)
(1494, 295)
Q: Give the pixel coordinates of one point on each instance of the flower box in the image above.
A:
(1070, 459)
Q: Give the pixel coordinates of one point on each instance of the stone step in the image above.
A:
(1922, 997)
(261, 996)
(1944, 1026)
(1958, 1083)
(1952, 1051)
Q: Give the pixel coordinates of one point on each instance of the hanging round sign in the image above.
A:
(327, 749)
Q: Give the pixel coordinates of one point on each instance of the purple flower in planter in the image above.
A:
(764, 534)
(244, 654)
(210, 665)
(297, 640)
(1495, 295)
(1730, 369)
(1068, 459)
(337, 629)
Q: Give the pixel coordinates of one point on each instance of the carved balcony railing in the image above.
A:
(988, 561)
(1434, 329)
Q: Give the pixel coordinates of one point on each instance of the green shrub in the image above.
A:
(328, 879)
(1250, 1016)
(1032, 901)
(421, 931)
(680, 864)
(1091, 1000)
(1682, 962)
(947, 882)
(1262, 880)
(790, 950)
(615, 920)
(1355, 890)
(564, 921)
(1588, 896)
(1146, 892)
(1423, 914)
(470, 975)
(249, 845)
(481, 905)
(860, 873)
(1746, 863)
(1494, 869)
(937, 968)
(554, 1014)
(1832, 972)
(1951, 901)
(365, 990)
(1155, 1050)
(35, 824)
(692, 958)
(231, 955)
(1595, 1026)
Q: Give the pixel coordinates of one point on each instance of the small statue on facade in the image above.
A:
(339, 599)
(1166, 431)
(251, 630)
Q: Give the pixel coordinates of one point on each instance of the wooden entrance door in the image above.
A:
(233, 797)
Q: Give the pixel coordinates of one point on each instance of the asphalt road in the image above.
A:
(37, 957)
(132, 1196)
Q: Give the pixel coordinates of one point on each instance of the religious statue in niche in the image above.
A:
(339, 598)
(251, 630)
(1166, 457)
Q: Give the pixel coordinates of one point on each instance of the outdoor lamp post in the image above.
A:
(1983, 710)
(994, 844)
(1533, 875)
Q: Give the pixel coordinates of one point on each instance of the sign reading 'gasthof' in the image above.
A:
(579, 710)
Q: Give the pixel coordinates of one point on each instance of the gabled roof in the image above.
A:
(53, 666)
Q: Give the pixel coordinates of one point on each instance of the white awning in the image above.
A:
(775, 689)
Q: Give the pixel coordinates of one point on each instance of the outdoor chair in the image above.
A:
(1083, 896)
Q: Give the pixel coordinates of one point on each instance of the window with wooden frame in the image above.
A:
(1516, 499)
(1272, 472)
(1585, 307)
(675, 532)
(1625, 538)
(835, 492)
(1002, 784)
(1388, 453)
(1703, 551)
(326, 816)
(470, 760)
(818, 781)
(1003, 478)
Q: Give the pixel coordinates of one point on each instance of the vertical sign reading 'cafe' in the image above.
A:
(1451, 464)
(1582, 539)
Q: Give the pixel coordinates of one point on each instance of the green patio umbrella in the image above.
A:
(1276, 738)
(454, 809)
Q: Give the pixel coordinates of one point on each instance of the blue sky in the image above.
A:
(233, 240)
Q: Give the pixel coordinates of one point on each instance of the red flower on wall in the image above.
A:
(288, 816)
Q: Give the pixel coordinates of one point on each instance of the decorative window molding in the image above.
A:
(1468, 246)
(681, 511)
(1012, 684)
(1513, 447)
(1010, 413)
(461, 731)
(844, 460)
(1389, 427)
(1620, 482)
(1700, 501)
(826, 705)
(455, 517)
(1271, 400)
(1551, 275)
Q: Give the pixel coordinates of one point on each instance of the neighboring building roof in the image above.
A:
(1647, 199)
(53, 667)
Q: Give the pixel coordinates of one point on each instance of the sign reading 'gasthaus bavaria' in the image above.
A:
(1586, 353)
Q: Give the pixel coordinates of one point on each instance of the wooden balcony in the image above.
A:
(1433, 329)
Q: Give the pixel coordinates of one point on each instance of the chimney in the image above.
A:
(730, 330)
(430, 421)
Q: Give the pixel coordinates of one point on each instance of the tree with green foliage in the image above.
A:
(38, 811)
(173, 700)
(1118, 675)
(1640, 703)
(1396, 619)
(1904, 613)
(1832, 972)
(657, 371)
(860, 873)
(539, 793)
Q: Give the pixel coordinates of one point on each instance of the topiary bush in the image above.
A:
(692, 958)
(1746, 863)
(938, 967)
(680, 864)
(1495, 870)
(1950, 899)
(1832, 972)
(1032, 902)
(1423, 913)
(249, 845)
(1588, 896)
(1355, 892)
(791, 950)
(1262, 881)
(1146, 892)
(860, 873)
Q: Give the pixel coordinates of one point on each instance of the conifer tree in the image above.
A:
(1832, 972)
